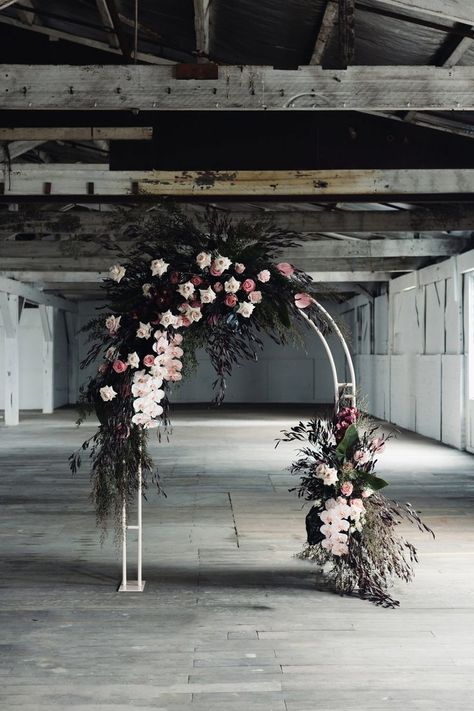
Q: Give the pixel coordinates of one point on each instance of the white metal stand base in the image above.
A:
(132, 586)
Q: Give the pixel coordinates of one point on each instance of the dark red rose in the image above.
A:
(196, 280)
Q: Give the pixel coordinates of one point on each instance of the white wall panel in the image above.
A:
(402, 391)
(31, 360)
(60, 374)
(428, 396)
(452, 400)
(434, 318)
(381, 324)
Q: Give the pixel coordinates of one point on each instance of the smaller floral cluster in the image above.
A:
(340, 517)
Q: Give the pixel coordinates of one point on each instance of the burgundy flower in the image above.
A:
(196, 280)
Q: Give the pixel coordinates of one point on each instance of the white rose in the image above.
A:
(158, 266)
(203, 260)
(221, 263)
(187, 289)
(245, 309)
(144, 330)
(168, 319)
(133, 360)
(231, 286)
(255, 297)
(112, 323)
(107, 393)
(207, 295)
(117, 272)
(146, 289)
(194, 314)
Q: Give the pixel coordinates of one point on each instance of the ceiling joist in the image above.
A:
(81, 179)
(126, 87)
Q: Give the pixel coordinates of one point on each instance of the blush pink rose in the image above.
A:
(149, 360)
(255, 297)
(239, 268)
(285, 269)
(119, 366)
(177, 339)
(215, 272)
(196, 280)
(248, 285)
(347, 488)
(230, 300)
(303, 300)
(217, 287)
(185, 321)
(264, 276)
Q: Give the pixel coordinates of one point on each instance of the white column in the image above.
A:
(47, 322)
(72, 356)
(9, 306)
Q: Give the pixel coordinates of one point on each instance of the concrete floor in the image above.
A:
(229, 619)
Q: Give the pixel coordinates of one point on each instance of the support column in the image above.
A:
(47, 322)
(10, 309)
(72, 356)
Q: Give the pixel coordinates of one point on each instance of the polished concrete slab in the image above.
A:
(229, 619)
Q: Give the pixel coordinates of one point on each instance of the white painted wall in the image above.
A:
(411, 350)
(283, 374)
(31, 343)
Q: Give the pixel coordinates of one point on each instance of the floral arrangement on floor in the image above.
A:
(351, 527)
(180, 287)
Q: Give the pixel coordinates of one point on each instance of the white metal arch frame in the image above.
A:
(346, 390)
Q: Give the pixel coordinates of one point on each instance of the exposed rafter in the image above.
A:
(202, 28)
(326, 30)
(452, 10)
(346, 32)
(106, 19)
(77, 39)
(27, 12)
(15, 149)
(120, 34)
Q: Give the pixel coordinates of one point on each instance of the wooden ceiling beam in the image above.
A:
(437, 218)
(80, 179)
(453, 10)
(139, 87)
(77, 133)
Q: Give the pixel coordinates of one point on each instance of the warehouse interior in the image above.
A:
(348, 125)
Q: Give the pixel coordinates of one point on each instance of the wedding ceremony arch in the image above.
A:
(219, 286)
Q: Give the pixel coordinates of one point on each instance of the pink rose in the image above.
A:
(264, 276)
(177, 339)
(217, 287)
(119, 366)
(215, 271)
(149, 360)
(248, 285)
(302, 301)
(255, 297)
(357, 505)
(230, 300)
(196, 280)
(285, 269)
(347, 488)
(239, 268)
(185, 321)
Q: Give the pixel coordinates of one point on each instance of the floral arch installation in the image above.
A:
(219, 286)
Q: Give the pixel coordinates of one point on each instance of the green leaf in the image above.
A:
(348, 442)
(374, 482)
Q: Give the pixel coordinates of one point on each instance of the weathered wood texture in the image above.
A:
(454, 10)
(346, 32)
(77, 133)
(140, 87)
(326, 30)
(76, 179)
(427, 219)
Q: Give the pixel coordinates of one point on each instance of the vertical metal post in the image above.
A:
(124, 545)
(137, 585)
